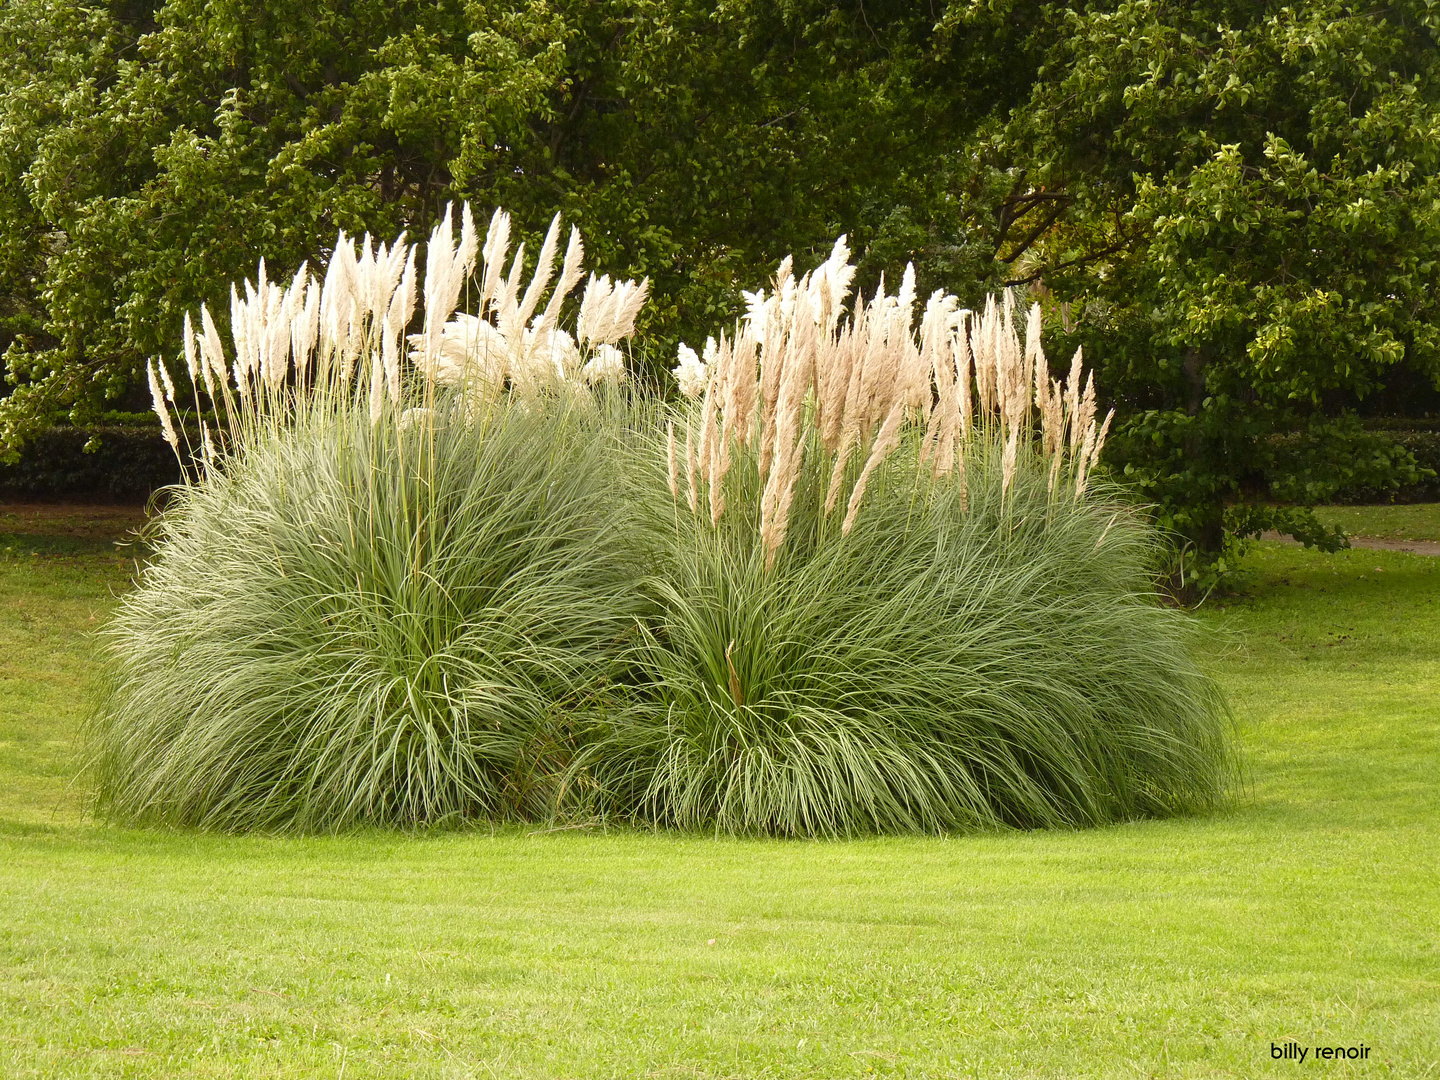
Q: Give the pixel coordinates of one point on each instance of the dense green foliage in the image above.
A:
(123, 461)
(1252, 242)
(149, 152)
(1236, 202)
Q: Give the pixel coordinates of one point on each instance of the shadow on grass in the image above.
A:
(70, 529)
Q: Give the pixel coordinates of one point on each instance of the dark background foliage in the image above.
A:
(1231, 206)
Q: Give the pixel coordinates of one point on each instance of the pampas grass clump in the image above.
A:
(936, 669)
(436, 565)
(401, 571)
(356, 623)
(892, 598)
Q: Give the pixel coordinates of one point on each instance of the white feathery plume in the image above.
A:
(630, 300)
(254, 314)
(1085, 418)
(251, 315)
(212, 353)
(1036, 369)
(905, 301)
(402, 301)
(276, 335)
(367, 280)
(442, 290)
(469, 242)
(544, 271)
(608, 310)
(399, 256)
(1104, 431)
(830, 285)
(497, 243)
(157, 401)
(598, 292)
(507, 303)
(607, 365)
(299, 281)
(471, 351)
(305, 327)
(336, 303)
(570, 274)
(690, 373)
(1072, 401)
(187, 332)
(165, 379)
(935, 356)
(1090, 451)
(354, 338)
(756, 312)
(377, 390)
(238, 320)
(390, 358)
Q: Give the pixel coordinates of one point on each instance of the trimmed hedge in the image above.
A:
(126, 463)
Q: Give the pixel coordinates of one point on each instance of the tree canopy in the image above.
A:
(1249, 238)
(1232, 206)
(150, 152)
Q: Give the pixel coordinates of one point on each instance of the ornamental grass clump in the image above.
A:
(433, 564)
(401, 572)
(892, 597)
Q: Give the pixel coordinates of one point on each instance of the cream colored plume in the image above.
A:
(690, 373)
(608, 310)
(811, 379)
(348, 334)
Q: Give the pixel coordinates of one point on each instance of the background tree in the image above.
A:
(1250, 240)
(149, 153)
(1234, 205)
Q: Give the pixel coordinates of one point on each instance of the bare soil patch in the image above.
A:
(1413, 547)
(74, 521)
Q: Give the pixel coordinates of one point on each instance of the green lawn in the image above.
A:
(1309, 912)
(1420, 521)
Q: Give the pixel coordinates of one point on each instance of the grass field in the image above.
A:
(1309, 912)
(1398, 522)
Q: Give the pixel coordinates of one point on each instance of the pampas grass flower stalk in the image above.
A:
(975, 642)
(403, 567)
(794, 366)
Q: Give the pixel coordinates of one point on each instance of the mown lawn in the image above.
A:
(1309, 912)
(1397, 522)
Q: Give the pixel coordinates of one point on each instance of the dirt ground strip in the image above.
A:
(78, 521)
(1413, 547)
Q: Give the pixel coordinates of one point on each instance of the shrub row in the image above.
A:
(121, 463)
(1424, 445)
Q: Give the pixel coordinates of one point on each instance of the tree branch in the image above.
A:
(1080, 260)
